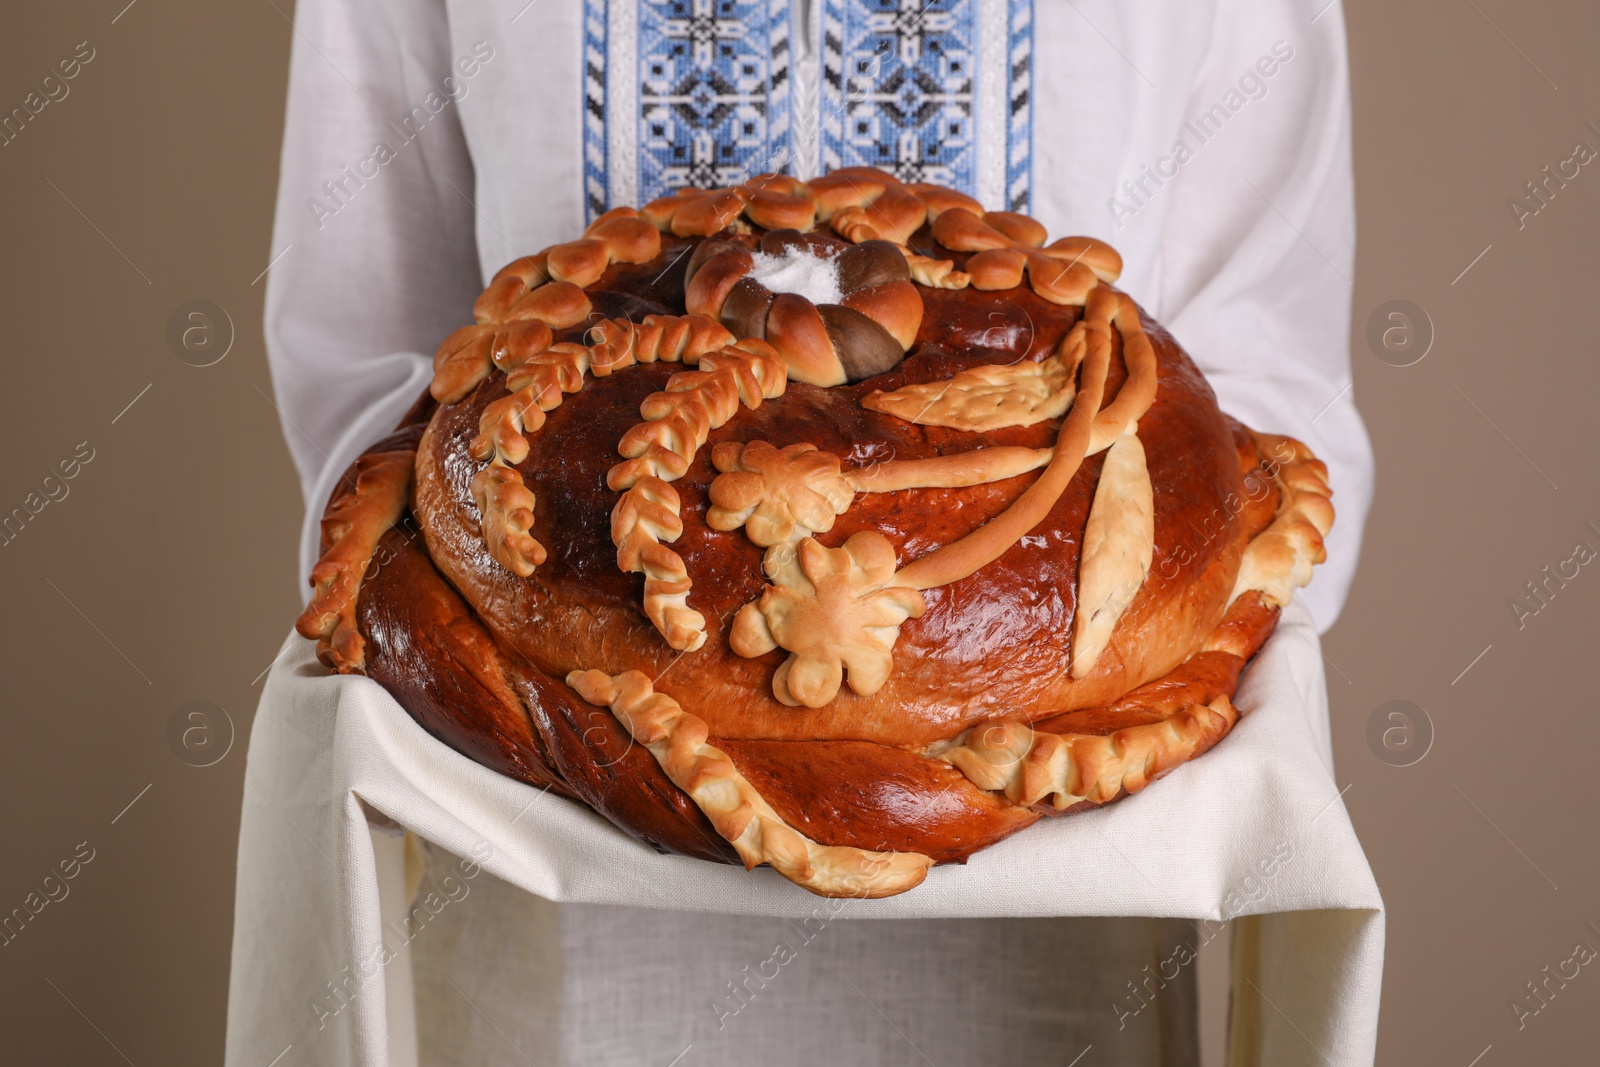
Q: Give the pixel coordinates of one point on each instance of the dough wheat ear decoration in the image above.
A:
(658, 451)
(351, 528)
(538, 376)
(516, 316)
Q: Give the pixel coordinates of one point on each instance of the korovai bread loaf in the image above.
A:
(841, 526)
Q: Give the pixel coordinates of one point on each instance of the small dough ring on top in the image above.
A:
(865, 334)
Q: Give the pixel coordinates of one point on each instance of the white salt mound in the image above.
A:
(798, 271)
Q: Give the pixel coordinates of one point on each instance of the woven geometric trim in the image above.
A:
(740, 814)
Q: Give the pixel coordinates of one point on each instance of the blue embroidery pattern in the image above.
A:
(899, 88)
(1019, 108)
(595, 150)
(713, 92)
(900, 91)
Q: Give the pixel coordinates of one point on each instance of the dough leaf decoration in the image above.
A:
(987, 397)
(1118, 545)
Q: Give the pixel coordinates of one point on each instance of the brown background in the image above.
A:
(167, 574)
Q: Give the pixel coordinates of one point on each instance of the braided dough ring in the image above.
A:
(865, 334)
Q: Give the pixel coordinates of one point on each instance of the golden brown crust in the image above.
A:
(538, 373)
(740, 814)
(1098, 755)
(876, 797)
(1031, 765)
(427, 647)
(963, 558)
(430, 650)
(577, 614)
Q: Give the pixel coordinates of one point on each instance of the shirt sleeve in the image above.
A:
(1257, 250)
(374, 259)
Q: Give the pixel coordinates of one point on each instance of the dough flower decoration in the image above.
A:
(839, 621)
(858, 203)
(1008, 245)
(778, 495)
